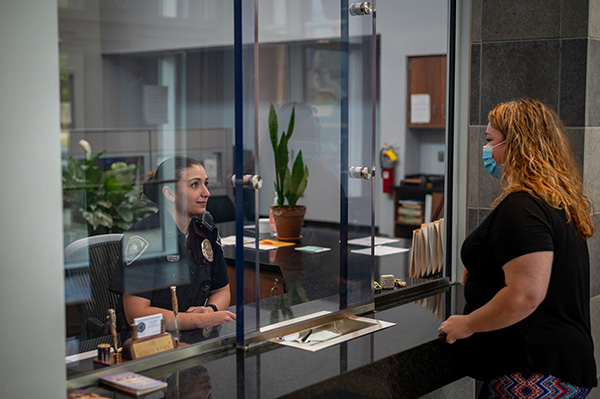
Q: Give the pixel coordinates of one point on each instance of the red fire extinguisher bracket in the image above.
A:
(388, 160)
(388, 179)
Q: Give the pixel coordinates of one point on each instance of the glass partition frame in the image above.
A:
(336, 44)
(344, 53)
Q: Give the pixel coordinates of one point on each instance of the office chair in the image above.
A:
(89, 264)
(222, 208)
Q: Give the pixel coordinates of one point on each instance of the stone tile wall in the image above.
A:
(548, 50)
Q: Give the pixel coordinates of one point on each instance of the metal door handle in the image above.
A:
(253, 182)
(358, 9)
(360, 172)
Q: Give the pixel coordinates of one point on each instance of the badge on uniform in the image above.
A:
(173, 258)
(207, 250)
(135, 248)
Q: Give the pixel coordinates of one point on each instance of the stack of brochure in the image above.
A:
(427, 250)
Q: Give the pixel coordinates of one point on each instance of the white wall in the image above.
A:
(31, 283)
(407, 28)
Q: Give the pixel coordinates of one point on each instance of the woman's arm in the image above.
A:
(527, 278)
(136, 306)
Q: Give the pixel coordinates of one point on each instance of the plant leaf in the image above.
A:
(287, 182)
(299, 180)
(105, 204)
(126, 214)
(273, 127)
(291, 124)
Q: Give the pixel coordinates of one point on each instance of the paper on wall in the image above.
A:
(420, 108)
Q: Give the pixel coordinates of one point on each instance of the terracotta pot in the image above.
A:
(289, 222)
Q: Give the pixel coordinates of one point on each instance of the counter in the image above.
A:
(406, 360)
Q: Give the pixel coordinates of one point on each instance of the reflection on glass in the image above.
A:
(144, 81)
(130, 99)
(193, 382)
(434, 304)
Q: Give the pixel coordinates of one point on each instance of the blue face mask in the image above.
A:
(489, 162)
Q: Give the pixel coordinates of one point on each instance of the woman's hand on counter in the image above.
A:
(456, 327)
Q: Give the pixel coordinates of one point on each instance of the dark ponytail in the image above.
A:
(168, 173)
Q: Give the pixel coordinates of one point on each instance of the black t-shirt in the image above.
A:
(555, 339)
(156, 255)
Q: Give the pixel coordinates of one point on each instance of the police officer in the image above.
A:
(178, 246)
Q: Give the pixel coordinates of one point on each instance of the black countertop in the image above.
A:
(406, 360)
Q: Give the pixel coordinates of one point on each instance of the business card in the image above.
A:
(148, 325)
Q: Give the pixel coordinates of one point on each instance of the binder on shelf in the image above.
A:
(410, 212)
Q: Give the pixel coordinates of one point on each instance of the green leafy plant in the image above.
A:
(288, 185)
(107, 200)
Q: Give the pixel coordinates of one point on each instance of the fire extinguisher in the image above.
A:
(388, 159)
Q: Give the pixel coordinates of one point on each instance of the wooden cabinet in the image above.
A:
(271, 283)
(426, 91)
(403, 227)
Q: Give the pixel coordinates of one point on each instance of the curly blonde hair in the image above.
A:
(538, 160)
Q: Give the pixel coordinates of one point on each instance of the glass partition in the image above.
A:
(312, 60)
(144, 81)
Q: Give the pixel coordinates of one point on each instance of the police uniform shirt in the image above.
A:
(156, 255)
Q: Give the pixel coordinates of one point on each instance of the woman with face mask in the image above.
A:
(525, 331)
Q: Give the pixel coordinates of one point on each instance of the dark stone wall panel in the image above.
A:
(519, 69)
(593, 83)
(474, 105)
(474, 164)
(573, 82)
(473, 222)
(476, 21)
(574, 18)
(594, 249)
(510, 19)
(576, 138)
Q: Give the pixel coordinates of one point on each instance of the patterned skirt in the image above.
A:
(531, 386)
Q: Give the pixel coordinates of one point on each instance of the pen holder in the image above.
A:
(106, 357)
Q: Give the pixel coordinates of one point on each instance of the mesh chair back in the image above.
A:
(89, 263)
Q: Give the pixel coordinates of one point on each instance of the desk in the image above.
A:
(309, 277)
(317, 275)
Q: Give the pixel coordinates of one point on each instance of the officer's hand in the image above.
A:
(222, 316)
(204, 320)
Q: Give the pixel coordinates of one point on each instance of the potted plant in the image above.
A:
(289, 186)
(108, 201)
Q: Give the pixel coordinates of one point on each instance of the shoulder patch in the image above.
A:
(136, 246)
